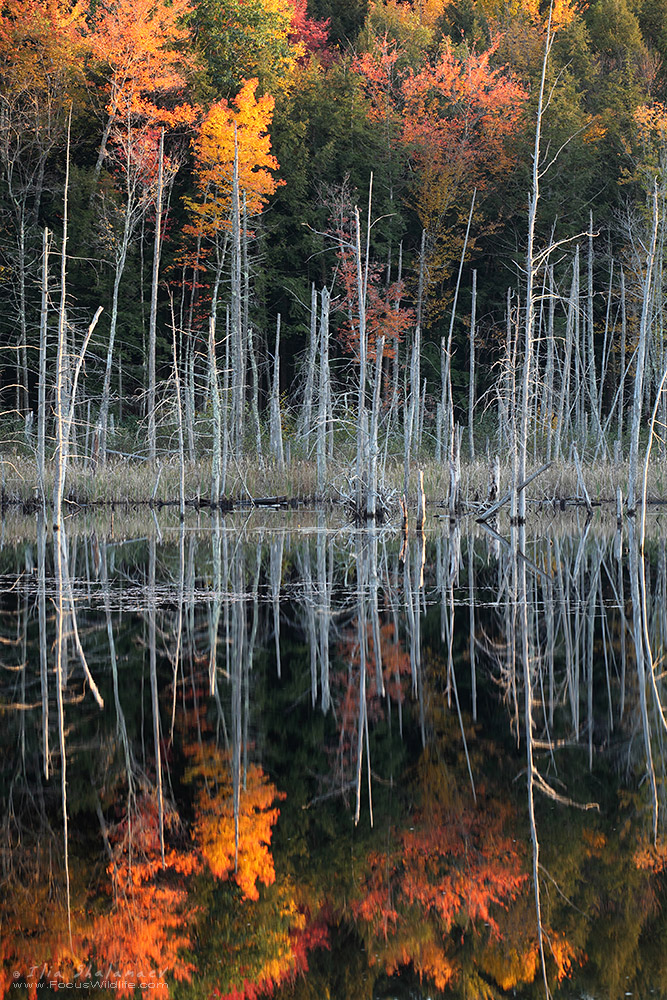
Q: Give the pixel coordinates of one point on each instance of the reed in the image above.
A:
(132, 481)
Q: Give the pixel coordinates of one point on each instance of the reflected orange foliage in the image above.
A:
(147, 926)
(563, 953)
(214, 827)
(34, 939)
(134, 937)
(509, 966)
(652, 857)
(452, 867)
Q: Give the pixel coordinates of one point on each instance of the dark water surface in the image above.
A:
(288, 757)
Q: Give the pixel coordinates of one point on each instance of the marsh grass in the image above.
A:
(132, 481)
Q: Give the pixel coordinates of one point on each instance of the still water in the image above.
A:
(286, 757)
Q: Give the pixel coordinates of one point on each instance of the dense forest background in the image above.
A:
(216, 153)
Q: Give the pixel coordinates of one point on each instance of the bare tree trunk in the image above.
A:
(621, 397)
(409, 413)
(238, 346)
(525, 652)
(254, 399)
(371, 498)
(152, 654)
(276, 425)
(563, 420)
(62, 388)
(642, 349)
(521, 446)
(324, 393)
(216, 456)
(41, 387)
(22, 397)
(152, 328)
(549, 368)
(43, 655)
(304, 428)
(592, 374)
(276, 569)
(472, 638)
(66, 380)
(179, 423)
(447, 396)
(225, 407)
(471, 375)
(360, 472)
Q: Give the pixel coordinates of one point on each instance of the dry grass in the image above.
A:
(129, 481)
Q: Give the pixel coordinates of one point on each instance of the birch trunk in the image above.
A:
(304, 426)
(276, 425)
(642, 349)
(361, 414)
(521, 445)
(238, 347)
(471, 374)
(41, 386)
(323, 393)
(371, 500)
(152, 326)
(621, 397)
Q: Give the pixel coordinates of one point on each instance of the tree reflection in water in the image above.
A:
(311, 760)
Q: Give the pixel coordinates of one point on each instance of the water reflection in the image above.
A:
(244, 757)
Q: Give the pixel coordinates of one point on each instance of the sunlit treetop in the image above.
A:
(500, 12)
(235, 128)
(39, 41)
(143, 44)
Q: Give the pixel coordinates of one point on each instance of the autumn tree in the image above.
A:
(140, 49)
(234, 171)
(233, 131)
(42, 46)
(234, 176)
(384, 313)
(141, 54)
(458, 115)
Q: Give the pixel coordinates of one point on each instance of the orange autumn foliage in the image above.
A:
(651, 857)
(40, 42)
(458, 115)
(243, 125)
(130, 932)
(141, 44)
(454, 117)
(310, 34)
(214, 828)
(452, 867)
(34, 941)
(147, 926)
